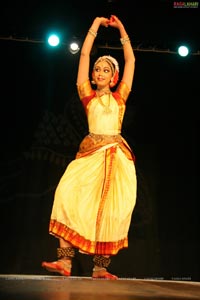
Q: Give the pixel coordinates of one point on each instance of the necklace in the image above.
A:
(106, 107)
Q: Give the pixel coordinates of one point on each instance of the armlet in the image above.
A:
(85, 89)
(123, 90)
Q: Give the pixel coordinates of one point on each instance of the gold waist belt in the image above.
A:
(93, 141)
(105, 137)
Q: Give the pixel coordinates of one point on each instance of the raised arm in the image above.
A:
(84, 61)
(129, 58)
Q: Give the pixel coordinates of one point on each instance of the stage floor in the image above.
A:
(39, 287)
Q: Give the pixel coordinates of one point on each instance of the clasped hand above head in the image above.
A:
(113, 21)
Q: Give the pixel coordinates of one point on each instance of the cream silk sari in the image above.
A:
(96, 195)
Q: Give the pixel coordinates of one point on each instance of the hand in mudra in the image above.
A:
(114, 21)
(104, 21)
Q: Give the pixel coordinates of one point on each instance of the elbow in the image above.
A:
(83, 53)
(131, 61)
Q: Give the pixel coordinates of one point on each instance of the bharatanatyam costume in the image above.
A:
(96, 195)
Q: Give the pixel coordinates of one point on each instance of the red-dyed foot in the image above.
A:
(105, 275)
(59, 266)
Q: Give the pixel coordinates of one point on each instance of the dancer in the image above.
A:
(96, 195)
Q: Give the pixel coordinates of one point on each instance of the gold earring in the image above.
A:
(111, 83)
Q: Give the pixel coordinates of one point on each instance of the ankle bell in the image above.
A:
(65, 253)
(101, 261)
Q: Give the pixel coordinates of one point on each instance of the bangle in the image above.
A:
(92, 32)
(124, 40)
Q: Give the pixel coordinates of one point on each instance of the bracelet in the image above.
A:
(124, 40)
(92, 32)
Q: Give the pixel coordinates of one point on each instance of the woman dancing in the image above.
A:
(96, 195)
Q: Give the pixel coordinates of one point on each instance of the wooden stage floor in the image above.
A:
(39, 287)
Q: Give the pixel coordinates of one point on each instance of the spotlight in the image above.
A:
(74, 47)
(53, 40)
(183, 50)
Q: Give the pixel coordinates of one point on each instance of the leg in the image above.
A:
(63, 265)
(100, 264)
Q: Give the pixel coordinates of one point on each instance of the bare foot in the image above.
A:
(61, 266)
(103, 274)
